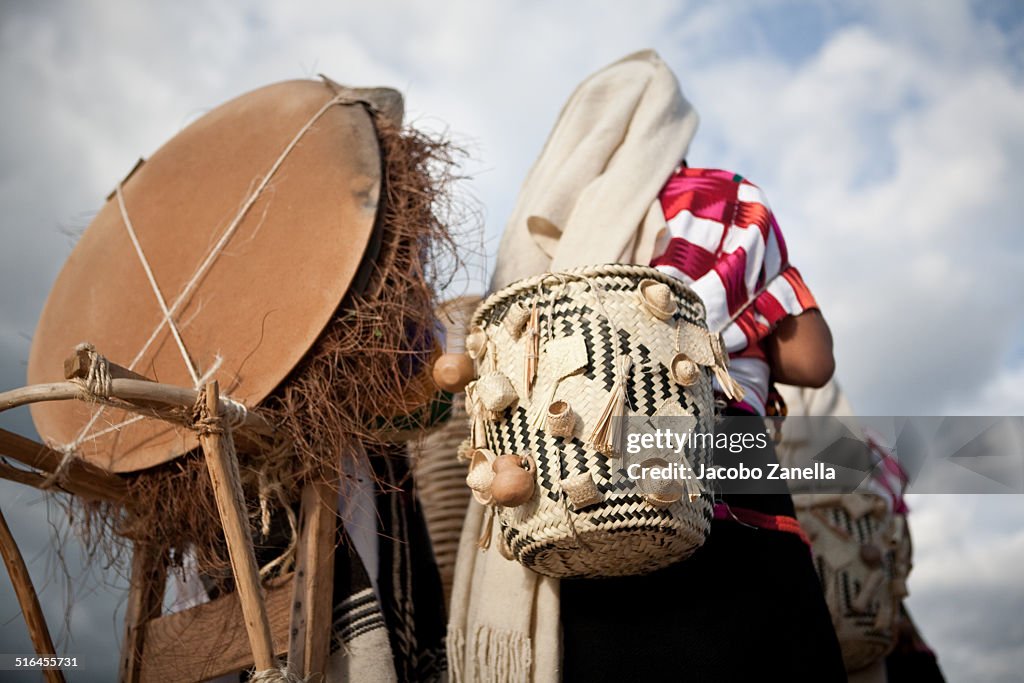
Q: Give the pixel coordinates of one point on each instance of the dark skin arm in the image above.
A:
(800, 350)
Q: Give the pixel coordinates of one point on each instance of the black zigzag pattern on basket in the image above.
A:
(864, 636)
(623, 534)
(866, 529)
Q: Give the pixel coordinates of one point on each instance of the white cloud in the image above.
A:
(1003, 394)
(895, 174)
(965, 586)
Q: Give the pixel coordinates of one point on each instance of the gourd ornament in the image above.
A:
(514, 479)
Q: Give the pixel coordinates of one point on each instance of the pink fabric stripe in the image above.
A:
(768, 306)
(706, 196)
(783, 523)
(746, 323)
(803, 294)
(893, 477)
(781, 242)
(748, 214)
(731, 269)
(687, 257)
(743, 405)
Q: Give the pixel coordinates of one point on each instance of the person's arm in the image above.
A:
(800, 350)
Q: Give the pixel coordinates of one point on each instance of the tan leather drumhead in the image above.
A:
(268, 294)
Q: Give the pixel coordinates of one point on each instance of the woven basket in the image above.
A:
(862, 555)
(622, 533)
(440, 485)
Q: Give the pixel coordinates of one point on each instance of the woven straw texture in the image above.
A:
(441, 487)
(623, 534)
(863, 599)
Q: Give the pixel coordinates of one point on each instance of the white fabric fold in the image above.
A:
(618, 138)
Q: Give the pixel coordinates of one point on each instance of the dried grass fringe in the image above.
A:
(350, 388)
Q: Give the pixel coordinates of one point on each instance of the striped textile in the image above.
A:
(889, 480)
(723, 241)
(785, 523)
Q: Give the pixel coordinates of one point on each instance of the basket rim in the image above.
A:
(681, 289)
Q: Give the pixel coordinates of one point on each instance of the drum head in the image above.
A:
(269, 292)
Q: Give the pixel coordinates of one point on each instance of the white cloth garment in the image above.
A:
(590, 198)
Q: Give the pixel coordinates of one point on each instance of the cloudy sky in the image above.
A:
(887, 135)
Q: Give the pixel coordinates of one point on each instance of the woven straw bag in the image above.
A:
(439, 477)
(862, 553)
(590, 344)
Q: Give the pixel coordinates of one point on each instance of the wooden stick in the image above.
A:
(79, 364)
(82, 478)
(130, 390)
(312, 601)
(28, 600)
(227, 488)
(145, 600)
(19, 476)
(37, 393)
(532, 351)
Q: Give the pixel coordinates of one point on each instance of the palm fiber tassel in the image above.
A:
(607, 429)
(532, 350)
(730, 387)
